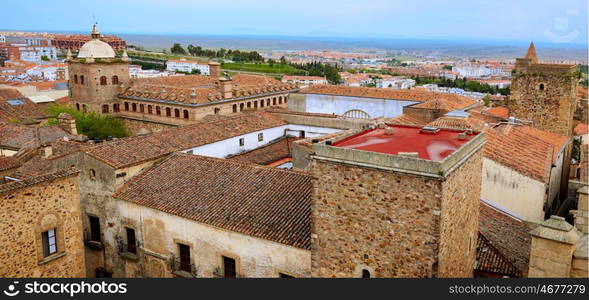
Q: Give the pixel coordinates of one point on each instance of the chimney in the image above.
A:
(47, 150)
(67, 123)
(226, 87)
(214, 69)
(553, 244)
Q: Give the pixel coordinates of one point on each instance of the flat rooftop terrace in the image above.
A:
(427, 151)
(434, 144)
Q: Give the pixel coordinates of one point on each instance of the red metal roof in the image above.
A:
(431, 146)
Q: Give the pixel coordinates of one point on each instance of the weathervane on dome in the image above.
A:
(95, 33)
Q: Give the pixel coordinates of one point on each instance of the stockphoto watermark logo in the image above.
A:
(562, 33)
(66, 288)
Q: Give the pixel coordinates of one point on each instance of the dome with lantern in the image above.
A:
(95, 48)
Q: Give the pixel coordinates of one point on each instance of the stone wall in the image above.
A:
(387, 223)
(461, 192)
(546, 96)
(392, 223)
(92, 93)
(136, 126)
(25, 214)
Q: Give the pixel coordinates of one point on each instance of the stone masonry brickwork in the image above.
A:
(394, 224)
(91, 92)
(25, 214)
(545, 95)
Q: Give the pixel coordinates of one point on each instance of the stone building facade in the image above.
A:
(41, 228)
(382, 215)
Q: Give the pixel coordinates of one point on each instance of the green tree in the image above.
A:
(447, 67)
(487, 100)
(44, 58)
(177, 49)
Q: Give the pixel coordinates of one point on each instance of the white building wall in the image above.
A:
(328, 104)
(513, 191)
(255, 257)
(231, 146)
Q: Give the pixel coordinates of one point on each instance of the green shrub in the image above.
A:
(92, 124)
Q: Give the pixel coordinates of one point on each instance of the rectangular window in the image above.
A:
(184, 257)
(229, 267)
(260, 136)
(241, 142)
(131, 242)
(95, 229)
(49, 242)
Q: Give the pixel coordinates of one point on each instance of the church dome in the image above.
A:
(96, 48)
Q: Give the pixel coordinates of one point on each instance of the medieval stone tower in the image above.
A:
(544, 94)
(96, 76)
(396, 201)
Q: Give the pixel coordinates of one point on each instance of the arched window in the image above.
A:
(105, 109)
(102, 80)
(82, 79)
(274, 101)
(134, 106)
(241, 107)
(541, 86)
(365, 273)
(76, 79)
(268, 102)
(115, 108)
(280, 100)
(262, 103)
(149, 109)
(249, 105)
(285, 98)
(158, 110)
(168, 112)
(234, 108)
(255, 104)
(78, 106)
(186, 114)
(115, 79)
(141, 108)
(126, 106)
(177, 113)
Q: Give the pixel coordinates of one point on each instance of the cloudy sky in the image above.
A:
(562, 21)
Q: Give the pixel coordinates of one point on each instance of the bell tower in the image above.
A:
(96, 76)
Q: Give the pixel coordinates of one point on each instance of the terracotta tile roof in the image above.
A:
(267, 154)
(406, 119)
(18, 136)
(9, 162)
(263, 202)
(507, 233)
(63, 100)
(16, 185)
(15, 106)
(412, 94)
(581, 129)
(489, 259)
(449, 102)
(199, 89)
(141, 148)
(525, 149)
(286, 77)
(499, 111)
(458, 123)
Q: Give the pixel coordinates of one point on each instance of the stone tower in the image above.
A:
(96, 76)
(396, 201)
(544, 94)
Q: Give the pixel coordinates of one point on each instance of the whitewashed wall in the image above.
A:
(158, 232)
(222, 149)
(514, 191)
(328, 104)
